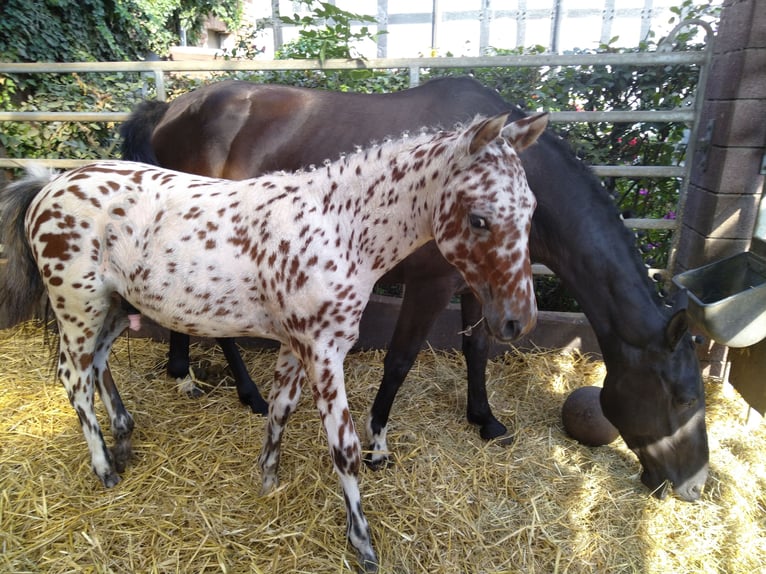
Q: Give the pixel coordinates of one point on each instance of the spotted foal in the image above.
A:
(292, 257)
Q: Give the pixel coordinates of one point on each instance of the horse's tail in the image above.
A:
(137, 131)
(21, 286)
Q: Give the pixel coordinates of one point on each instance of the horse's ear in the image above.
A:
(487, 131)
(678, 324)
(524, 132)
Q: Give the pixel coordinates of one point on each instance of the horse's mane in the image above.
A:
(600, 195)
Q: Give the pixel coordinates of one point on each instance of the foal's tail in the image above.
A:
(21, 286)
(137, 131)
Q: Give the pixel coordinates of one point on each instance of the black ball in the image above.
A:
(584, 420)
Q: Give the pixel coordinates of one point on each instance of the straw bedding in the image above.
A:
(190, 500)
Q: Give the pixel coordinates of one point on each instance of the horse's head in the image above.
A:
(653, 394)
(482, 221)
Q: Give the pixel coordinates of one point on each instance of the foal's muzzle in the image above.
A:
(507, 328)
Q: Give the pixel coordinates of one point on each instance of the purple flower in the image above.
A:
(670, 215)
(643, 191)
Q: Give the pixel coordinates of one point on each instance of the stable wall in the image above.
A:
(726, 181)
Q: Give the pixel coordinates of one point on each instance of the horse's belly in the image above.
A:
(218, 321)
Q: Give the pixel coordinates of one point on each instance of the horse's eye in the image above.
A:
(478, 222)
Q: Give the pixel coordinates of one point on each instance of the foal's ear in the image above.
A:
(487, 131)
(524, 132)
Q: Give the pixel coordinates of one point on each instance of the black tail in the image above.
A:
(137, 131)
(21, 286)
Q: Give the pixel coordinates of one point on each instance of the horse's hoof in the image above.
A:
(121, 454)
(493, 428)
(177, 369)
(377, 461)
(186, 385)
(506, 440)
(256, 404)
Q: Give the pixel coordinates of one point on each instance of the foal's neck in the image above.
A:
(387, 205)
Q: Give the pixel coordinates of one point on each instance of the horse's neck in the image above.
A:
(615, 296)
(597, 259)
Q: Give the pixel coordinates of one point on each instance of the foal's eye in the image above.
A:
(478, 222)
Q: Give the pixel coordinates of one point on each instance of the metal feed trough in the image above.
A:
(727, 299)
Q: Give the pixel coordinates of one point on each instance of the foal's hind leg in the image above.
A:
(78, 333)
(285, 392)
(120, 419)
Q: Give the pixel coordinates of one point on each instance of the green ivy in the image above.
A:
(102, 30)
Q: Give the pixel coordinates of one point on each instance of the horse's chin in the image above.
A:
(688, 489)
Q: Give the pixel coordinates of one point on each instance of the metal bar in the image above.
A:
(10, 163)
(533, 60)
(677, 115)
(485, 17)
(555, 25)
(63, 116)
(159, 85)
(600, 170)
(655, 224)
(648, 171)
(414, 77)
(557, 117)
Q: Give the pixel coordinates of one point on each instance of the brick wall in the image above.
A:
(725, 185)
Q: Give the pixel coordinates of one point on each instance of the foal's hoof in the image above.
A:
(270, 484)
(377, 460)
(110, 479)
(368, 564)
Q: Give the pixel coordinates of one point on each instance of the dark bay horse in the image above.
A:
(288, 256)
(653, 391)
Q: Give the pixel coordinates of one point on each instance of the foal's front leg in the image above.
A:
(345, 448)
